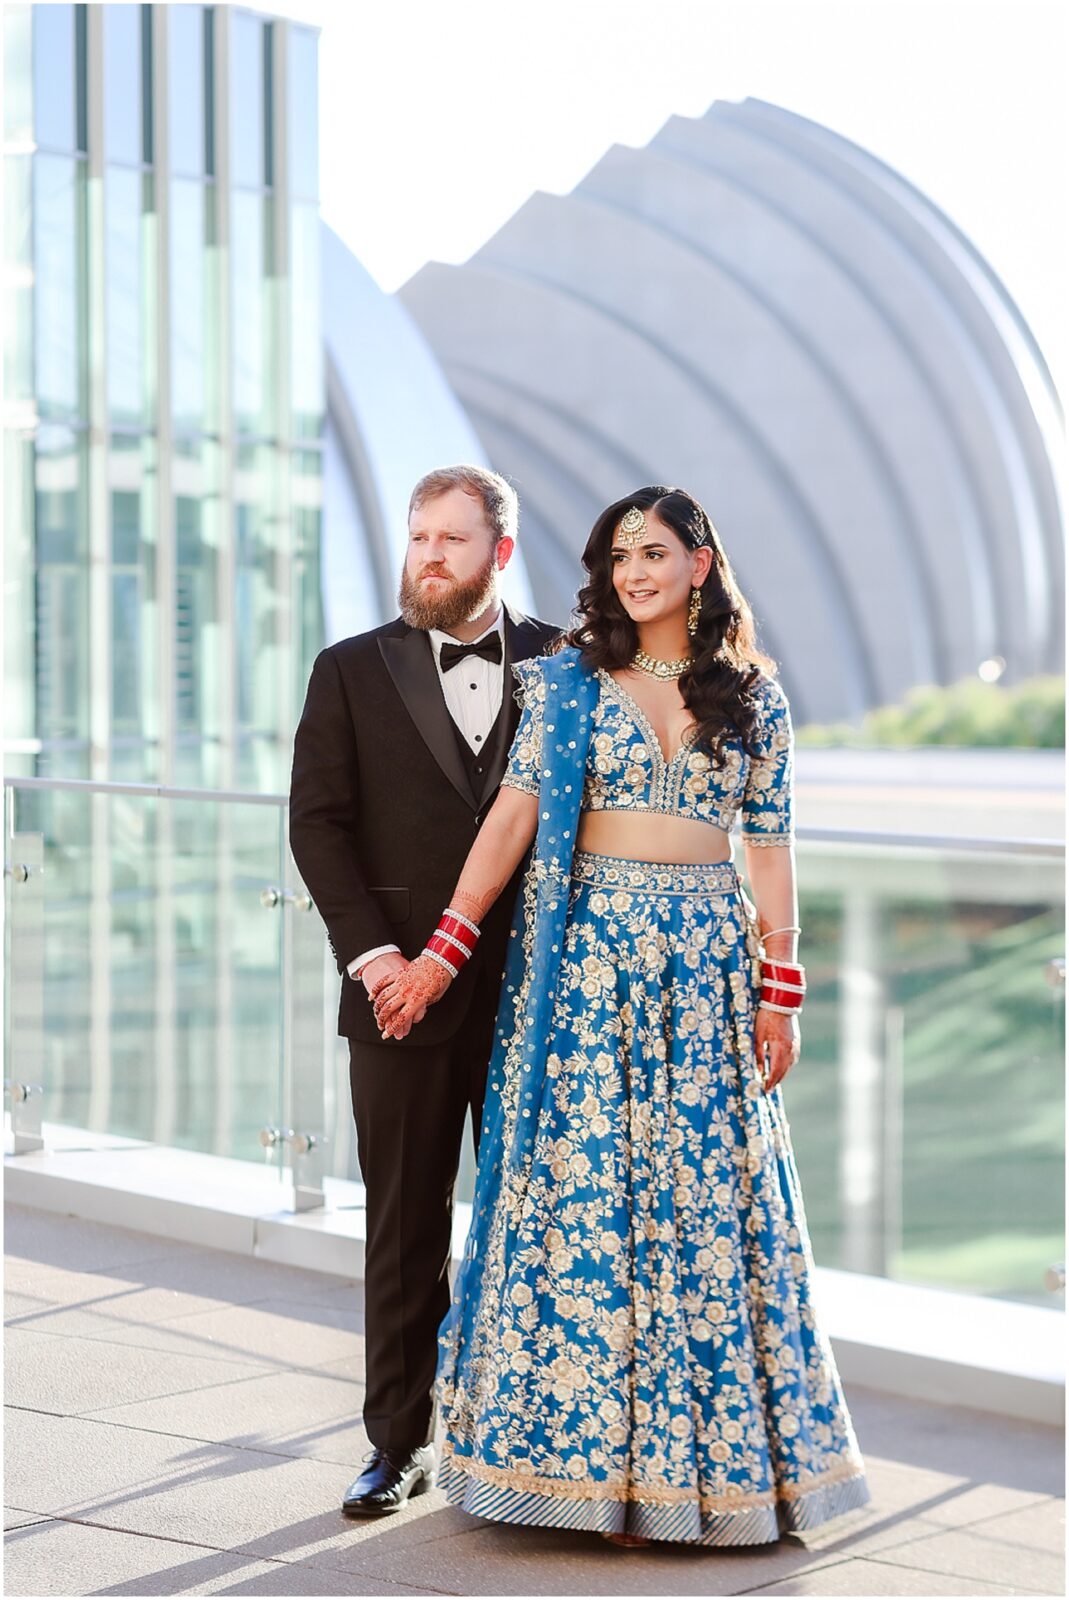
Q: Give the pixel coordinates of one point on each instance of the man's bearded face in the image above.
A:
(450, 568)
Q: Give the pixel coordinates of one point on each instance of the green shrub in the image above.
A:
(966, 714)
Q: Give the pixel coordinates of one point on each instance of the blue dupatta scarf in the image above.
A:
(536, 942)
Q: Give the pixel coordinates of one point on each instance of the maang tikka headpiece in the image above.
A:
(633, 528)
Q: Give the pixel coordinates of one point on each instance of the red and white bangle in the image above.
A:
(782, 986)
(453, 942)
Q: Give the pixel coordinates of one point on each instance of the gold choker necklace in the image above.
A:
(660, 669)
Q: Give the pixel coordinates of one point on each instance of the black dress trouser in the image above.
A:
(410, 1102)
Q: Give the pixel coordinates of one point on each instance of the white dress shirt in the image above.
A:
(473, 691)
(473, 688)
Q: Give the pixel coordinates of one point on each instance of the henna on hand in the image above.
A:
(423, 982)
(778, 1045)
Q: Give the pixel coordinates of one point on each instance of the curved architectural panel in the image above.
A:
(391, 417)
(755, 308)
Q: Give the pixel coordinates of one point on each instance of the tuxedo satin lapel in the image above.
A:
(411, 666)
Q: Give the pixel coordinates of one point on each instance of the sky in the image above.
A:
(438, 120)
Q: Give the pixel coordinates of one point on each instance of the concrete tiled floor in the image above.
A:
(179, 1421)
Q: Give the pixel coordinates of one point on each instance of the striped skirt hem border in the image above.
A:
(683, 1524)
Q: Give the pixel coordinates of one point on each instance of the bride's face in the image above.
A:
(653, 582)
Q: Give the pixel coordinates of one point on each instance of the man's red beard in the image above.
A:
(448, 604)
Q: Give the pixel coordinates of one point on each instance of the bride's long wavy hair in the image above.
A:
(717, 689)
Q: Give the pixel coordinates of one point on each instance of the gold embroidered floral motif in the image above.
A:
(641, 1326)
(627, 771)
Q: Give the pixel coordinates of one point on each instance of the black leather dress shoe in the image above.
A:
(389, 1479)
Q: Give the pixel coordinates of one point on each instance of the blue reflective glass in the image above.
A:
(18, 73)
(59, 257)
(306, 366)
(186, 88)
(269, 105)
(200, 650)
(122, 281)
(188, 201)
(304, 114)
(306, 514)
(62, 591)
(18, 211)
(18, 298)
(122, 83)
(126, 652)
(248, 303)
(246, 100)
(191, 576)
(20, 643)
(125, 527)
(53, 76)
(261, 608)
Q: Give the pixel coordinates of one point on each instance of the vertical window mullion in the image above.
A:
(81, 70)
(209, 91)
(147, 139)
(269, 106)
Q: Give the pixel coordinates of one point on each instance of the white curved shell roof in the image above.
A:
(391, 417)
(759, 311)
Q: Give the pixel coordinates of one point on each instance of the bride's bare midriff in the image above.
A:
(648, 836)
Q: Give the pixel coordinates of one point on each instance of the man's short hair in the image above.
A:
(498, 497)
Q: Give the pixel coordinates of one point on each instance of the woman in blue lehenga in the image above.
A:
(632, 1346)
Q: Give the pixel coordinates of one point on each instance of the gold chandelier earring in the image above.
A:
(694, 611)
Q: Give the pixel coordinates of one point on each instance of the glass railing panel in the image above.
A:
(927, 1107)
(310, 1087)
(23, 986)
(229, 987)
(169, 980)
(162, 976)
(319, 1092)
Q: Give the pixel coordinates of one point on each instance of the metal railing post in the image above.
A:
(24, 1010)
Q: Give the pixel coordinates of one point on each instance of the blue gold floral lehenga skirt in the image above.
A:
(634, 1347)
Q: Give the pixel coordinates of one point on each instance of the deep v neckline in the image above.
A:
(642, 721)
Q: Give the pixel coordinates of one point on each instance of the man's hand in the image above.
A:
(383, 967)
(778, 1043)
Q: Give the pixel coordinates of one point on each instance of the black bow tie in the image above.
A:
(450, 655)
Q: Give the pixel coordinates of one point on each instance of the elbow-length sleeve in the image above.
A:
(524, 768)
(768, 798)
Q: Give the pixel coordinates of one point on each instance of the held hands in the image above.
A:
(401, 997)
(388, 966)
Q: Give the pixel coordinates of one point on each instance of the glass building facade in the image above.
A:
(164, 432)
(164, 392)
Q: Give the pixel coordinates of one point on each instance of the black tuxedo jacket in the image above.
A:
(382, 814)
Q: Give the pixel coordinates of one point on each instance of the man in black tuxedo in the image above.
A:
(397, 759)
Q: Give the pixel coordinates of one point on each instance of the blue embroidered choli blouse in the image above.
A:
(626, 769)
